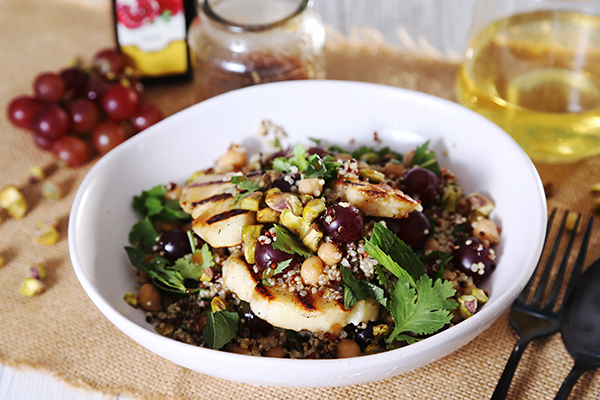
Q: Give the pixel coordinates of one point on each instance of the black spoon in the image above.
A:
(580, 327)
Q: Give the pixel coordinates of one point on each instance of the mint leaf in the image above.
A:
(420, 310)
(286, 242)
(399, 252)
(385, 260)
(220, 328)
(425, 158)
(143, 235)
(376, 292)
(157, 267)
(354, 286)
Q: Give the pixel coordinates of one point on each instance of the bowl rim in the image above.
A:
(144, 336)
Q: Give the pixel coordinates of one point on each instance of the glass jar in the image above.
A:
(238, 43)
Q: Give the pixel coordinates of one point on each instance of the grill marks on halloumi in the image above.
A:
(209, 200)
(375, 200)
(289, 310)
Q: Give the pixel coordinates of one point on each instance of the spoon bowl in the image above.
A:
(580, 326)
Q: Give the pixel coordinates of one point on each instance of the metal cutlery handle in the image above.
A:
(510, 368)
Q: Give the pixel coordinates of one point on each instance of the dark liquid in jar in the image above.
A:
(253, 69)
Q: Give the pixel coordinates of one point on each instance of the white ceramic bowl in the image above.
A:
(483, 157)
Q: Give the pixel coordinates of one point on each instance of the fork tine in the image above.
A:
(578, 266)
(563, 267)
(527, 289)
(541, 288)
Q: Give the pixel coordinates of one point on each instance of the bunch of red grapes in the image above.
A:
(83, 109)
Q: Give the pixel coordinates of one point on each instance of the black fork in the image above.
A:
(540, 318)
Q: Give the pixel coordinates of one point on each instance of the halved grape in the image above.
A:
(174, 244)
(421, 183)
(413, 230)
(265, 256)
(342, 222)
(472, 256)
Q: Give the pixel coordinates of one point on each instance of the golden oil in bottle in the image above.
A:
(537, 75)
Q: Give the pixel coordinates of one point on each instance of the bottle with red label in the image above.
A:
(152, 36)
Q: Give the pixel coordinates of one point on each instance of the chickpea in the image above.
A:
(234, 159)
(431, 244)
(149, 297)
(234, 348)
(311, 186)
(348, 348)
(394, 169)
(276, 352)
(311, 270)
(329, 253)
(343, 157)
(486, 229)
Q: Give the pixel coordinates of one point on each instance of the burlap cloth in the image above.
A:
(62, 333)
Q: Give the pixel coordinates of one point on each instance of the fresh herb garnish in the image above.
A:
(420, 307)
(159, 270)
(298, 160)
(362, 150)
(394, 252)
(286, 242)
(353, 291)
(220, 329)
(152, 203)
(245, 185)
(325, 168)
(189, 269)
(425, 158)
(142, 234)
(418, 304)
(279, 269)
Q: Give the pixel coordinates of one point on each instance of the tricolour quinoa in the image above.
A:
(312, 252)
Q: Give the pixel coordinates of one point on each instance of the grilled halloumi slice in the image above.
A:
(375, 200)
(220, 224)
(202, 188)
(288, 310)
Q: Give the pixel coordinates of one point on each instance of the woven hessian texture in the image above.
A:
(62, 333)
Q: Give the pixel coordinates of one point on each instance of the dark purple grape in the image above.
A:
(472, 256)
(265, 255)
(321, 152)
(75, 79)
(421, 183)
(285, 182)
(343, 223)
(366, 336)
(174, 244)
(413, 230)
(252, 321)
(95, 88)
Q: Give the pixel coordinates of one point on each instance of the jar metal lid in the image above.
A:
(207, 9)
